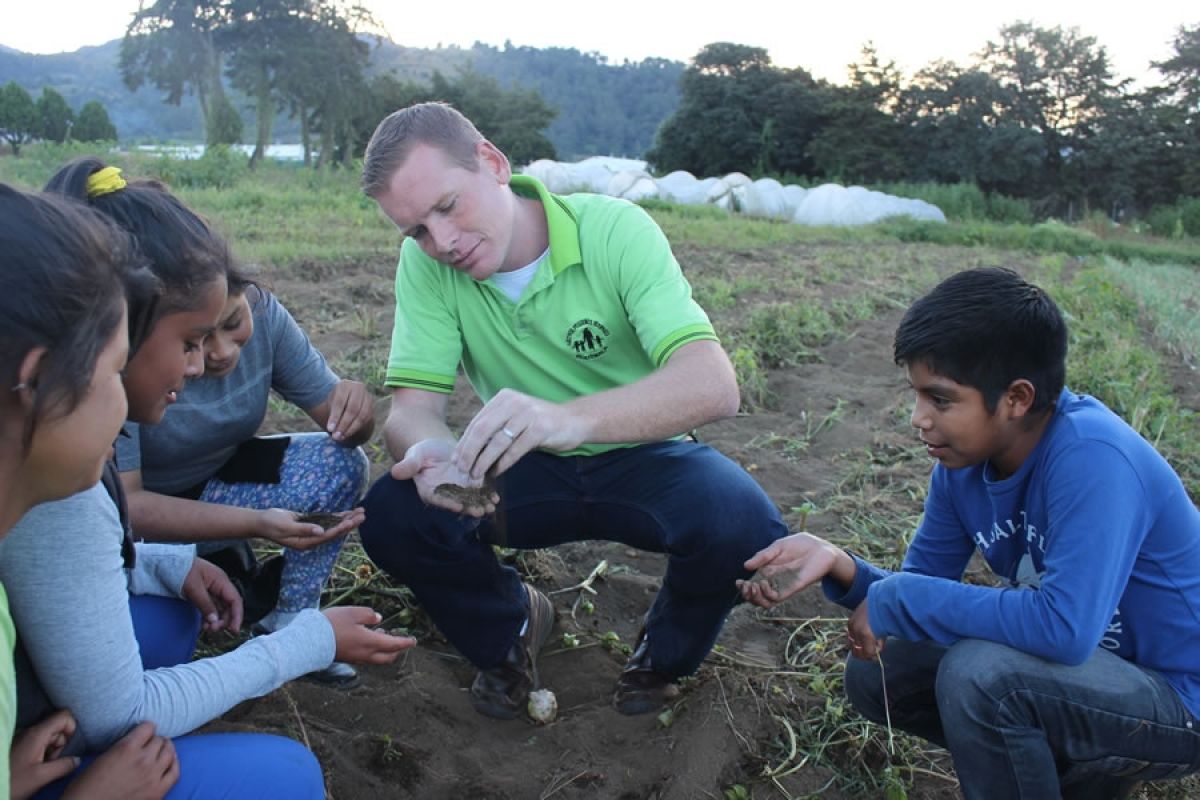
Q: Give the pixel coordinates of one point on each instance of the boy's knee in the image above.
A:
(977, 677)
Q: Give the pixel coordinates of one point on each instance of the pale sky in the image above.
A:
(822, 38)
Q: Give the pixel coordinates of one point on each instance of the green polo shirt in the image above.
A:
(608, 307)
(8, 690)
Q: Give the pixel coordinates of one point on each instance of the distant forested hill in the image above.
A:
(604, 109)
(91, 73)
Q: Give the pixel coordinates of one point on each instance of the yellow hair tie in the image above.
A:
(104, 181)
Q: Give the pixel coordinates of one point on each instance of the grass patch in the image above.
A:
(1110, 358)
(1169, 296)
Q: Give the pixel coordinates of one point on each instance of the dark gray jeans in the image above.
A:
(1019, 726)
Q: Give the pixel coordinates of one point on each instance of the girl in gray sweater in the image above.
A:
(134, 609)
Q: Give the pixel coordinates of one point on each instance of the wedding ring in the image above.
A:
(508, 433)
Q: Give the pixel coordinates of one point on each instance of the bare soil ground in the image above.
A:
(835, 436)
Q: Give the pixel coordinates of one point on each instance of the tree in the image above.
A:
(54, 116)
(513, 119)
(259, 37)
(1142, 153)
(173, 45)
(958, 131)
(861, 139)
(1057, 83)
(738, 113)
(384, 94)
(1182, 70)
(323, 83)
(718, 127)
(93, 124)
(224, 126)
(18, 116)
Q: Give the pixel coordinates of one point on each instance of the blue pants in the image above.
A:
(680, 498)
(1019, 726)
(233, 766)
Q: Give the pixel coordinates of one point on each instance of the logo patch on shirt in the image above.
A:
(587, 339)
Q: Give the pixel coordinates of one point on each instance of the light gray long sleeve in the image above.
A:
(69, 596)
(160, 568)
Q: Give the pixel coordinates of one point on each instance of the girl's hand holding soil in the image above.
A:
(209, 590)
(359, 644)
(141, 766)
(289, 529)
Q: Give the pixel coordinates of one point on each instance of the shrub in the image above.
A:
(219, 168)
(1189, 215)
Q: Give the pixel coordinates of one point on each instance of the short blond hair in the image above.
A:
(437, 124)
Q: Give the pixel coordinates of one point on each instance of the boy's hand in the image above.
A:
(863, 642)
(793, 563)
(36, 759)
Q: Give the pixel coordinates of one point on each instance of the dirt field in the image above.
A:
(835, 437)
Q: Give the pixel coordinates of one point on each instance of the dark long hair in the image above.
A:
(64, 271)
(180, 248)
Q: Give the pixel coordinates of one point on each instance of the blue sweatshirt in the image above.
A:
(1095, 535)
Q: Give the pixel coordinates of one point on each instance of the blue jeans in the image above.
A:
(1019, 726)
(680, 498)
(235, 766)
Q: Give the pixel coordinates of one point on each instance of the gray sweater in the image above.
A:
(69, 596)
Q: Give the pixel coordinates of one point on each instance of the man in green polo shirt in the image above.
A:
(574, 324)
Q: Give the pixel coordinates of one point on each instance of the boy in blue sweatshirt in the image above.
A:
(1081, 675)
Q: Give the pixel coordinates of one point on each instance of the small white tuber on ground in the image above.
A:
(543, 706)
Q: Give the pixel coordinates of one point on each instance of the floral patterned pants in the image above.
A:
(317, 475)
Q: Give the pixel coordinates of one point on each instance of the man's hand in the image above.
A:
(511, 425)
(141, 766)
(283, 528)
(863, 642)
(351, 408)
(208, 588)
(793, 563)
(358, 644)
(427, 464)
(36, 758)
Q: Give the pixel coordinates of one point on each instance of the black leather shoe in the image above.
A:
(640, 689)
(503, 691)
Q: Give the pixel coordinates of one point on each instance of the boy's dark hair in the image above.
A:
(180, 248)
(986, 328)
(65, 270)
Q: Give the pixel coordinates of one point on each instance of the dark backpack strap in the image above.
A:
(111, 481)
